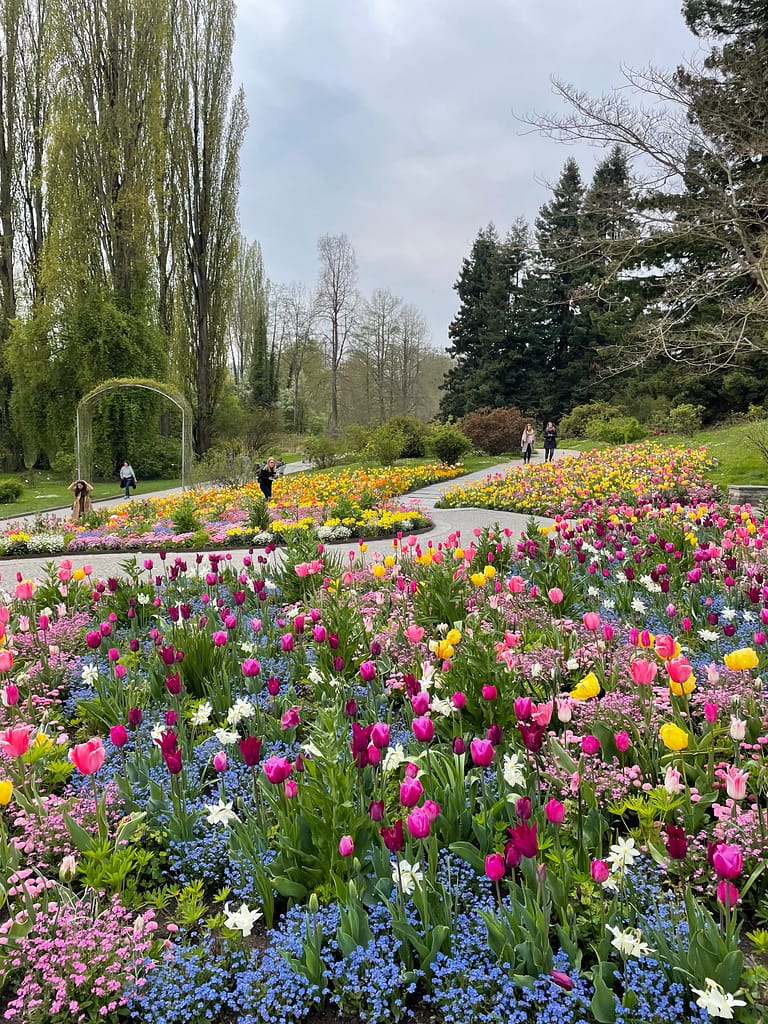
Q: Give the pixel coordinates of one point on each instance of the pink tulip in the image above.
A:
(591, 620)
(679, 670)
(24, 590)
(564, 709)
(489, 692)
(414, 634)
(643, 672)
(286, 642)
(411, 791)
(563, 980)
(554, 811)
(432, 808)
(420, 702)
(6, 661)
(665, 647)
(459, 700)
(277, 769)
(516, 585)
(590, 744)
(599, 871)
(346, 846)
(710, 712)
(9, 695)
(541, 714)
(418, 823)
(291, 719)
(495, 866)
(728, 861)
(423, 729)
(250, 668)
(88, 757)
(738, 728)
(220, 761)
(15, 741)
(118, 734)
(736, 782)
(482, 752)
(555, 595)
(523, 708)
(367, 671)
(621, 739)
(727, 894)
(380, 735)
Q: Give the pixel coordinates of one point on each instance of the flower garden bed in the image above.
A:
(329, 507)
(516, 779)
(646, 474)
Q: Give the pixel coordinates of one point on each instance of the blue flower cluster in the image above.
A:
(190, 983)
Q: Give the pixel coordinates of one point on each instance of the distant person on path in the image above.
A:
(127, 478)
(526, 442)
(550, 441)
(266, 478)
(81, 506)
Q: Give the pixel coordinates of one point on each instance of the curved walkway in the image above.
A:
(446, 522)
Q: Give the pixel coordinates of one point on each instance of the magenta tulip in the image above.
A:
(554, 811)
(728, 861)
(346, 846)
(423, 729)
(411, 791)
(418, 823)
(482, 752)
(495, 866)
(118, 734)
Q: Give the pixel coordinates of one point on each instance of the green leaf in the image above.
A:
(603, 1004)
(291, 890)
(470, 854)
(79, 836)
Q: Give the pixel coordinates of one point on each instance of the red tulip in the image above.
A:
(524, 838)
(676, 842)
(250, 750)
(393, 838)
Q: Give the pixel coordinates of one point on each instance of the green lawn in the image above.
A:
(47, 491)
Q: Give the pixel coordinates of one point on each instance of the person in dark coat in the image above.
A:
(550, 441)
(267, 477)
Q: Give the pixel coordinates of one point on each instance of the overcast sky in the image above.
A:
(394, 121)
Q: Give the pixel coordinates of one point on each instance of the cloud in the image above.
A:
(394, 121)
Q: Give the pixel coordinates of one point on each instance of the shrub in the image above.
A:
(232, 466)
(447, 443)
(577, 422)
(617, 430)
(386, 444)
(415, 432)
(685, 418)
(495, 430)
(323, 451)
(11, 490)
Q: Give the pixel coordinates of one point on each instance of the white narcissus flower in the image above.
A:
(716, 1001)
(409, 877)
(629, 942)
(143, 599)
(623, 854)
(314, 752)
(221, 814)
(638, 606)
(201, 714)
(240, 709)
(157, 732)
(394, 757)
(226, 737)
(572, 664)
(241, 920)
(441, 706)
(512, 772)
(90, 674)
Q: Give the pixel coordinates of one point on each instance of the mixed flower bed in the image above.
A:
(331, 506)
(636, 474)
(497, 779)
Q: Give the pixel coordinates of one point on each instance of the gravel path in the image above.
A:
(446, 521)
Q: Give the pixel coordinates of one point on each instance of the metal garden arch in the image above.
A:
(84, 419)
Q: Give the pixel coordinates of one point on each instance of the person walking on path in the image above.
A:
(550, 441)
(526, 442)
(127, 478)
(266, 478)
(81, 506)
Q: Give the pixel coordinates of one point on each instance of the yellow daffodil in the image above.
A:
(743, 659)
(673, 737)
(586, 688)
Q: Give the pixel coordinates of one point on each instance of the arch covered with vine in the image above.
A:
(87, 404)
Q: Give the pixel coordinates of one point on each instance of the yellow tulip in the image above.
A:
(680, 688)
(489, 571)
(478, 579)
(743, 659)
(389, 561)
(453, 636)
(78, 575)
(444, 650)
(458, 553)
(586, 688)
(379, 571)
(673, 737)
(6, 792)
